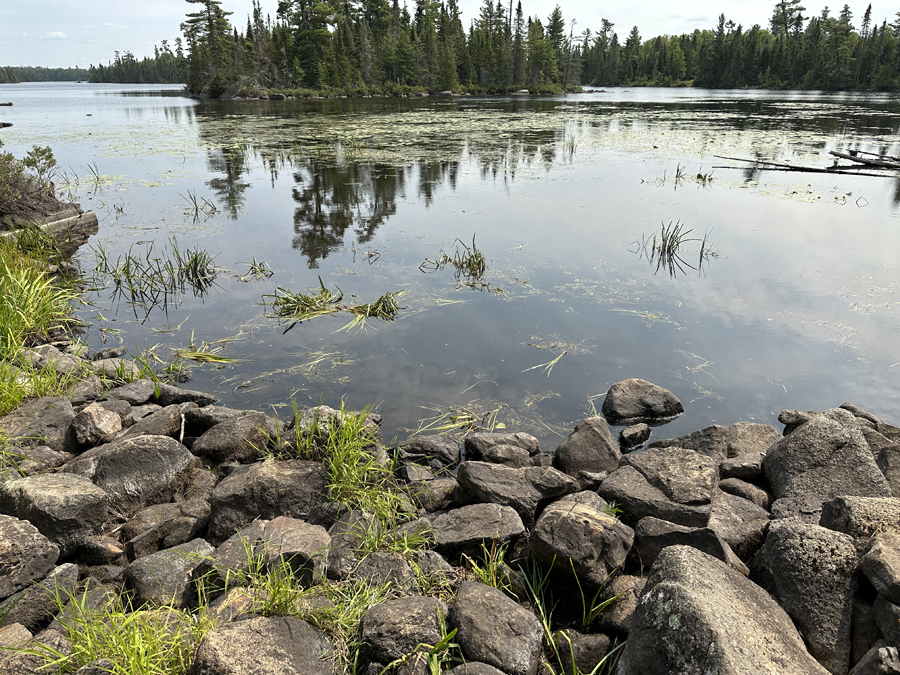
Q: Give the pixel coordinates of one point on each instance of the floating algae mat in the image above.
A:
(548, 205)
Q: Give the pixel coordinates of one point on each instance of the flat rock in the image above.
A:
(638, 399)
(827, 456)
(466, 530)
(748, 491)
(25, 555)
(240, 439)
(811, 571)
(508, 455)
(115, 369)
(164, 422)
(740, 440)
(165, 577)
(136, 471)
(435, 452)
(580, 539)
(476, 445)
(64, 507)
(493, 629)
(138, 392)
(523, 489)
(265, 490)
(745, 467)
(684, 476)
(42, 421)
(200, 420)
(87, 390)
(590, 447)
(397, 627)
(637, 498)
(263, 646)
(172, 395)
(698, 615)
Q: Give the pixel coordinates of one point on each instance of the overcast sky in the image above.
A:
(59, 33)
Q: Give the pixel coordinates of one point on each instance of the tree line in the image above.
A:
(14, 74)
(167, 66)
(365, 45)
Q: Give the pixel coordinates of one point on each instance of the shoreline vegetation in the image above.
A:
(373, 47)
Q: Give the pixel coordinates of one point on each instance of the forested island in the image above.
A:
(355, 47)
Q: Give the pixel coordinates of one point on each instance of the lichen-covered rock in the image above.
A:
(697, 615)
(861, 517)
(64, 507)
(263, 646)
(811, 571)
(684, 476)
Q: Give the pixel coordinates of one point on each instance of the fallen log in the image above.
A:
(765, 165)
(883, 163)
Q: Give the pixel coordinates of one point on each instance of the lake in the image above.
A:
(787, 296)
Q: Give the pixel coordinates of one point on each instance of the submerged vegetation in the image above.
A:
(664, 249)
(469, 264)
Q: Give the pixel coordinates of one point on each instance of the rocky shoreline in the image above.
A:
(735, 549)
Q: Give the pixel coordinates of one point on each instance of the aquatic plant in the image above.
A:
(664, 249)
(303, 306)
(469, 264)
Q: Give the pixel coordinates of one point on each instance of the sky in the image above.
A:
(61, 33)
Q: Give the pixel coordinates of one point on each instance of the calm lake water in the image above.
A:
(797, 308)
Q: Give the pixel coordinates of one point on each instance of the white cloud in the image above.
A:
(110, 24)
(55, 35)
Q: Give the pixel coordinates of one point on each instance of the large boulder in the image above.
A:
(435, 452)
(493, 629)
(165, 422)
(826, 455)
(238, 439)
(580, 539)
(740, 523)
(523, 489)
(94, 425)
(265, 490)
(476, 445)
(742, 439)
(861, 517)
(25, 555)
(590, 447)
(638, 399)
(467, 530)
(138, 392)
(652, 536)
(43, 421)
(165, 577)
(881, 565)
(811, 571)
(698, 615)
(162, 526)
(684, 476)
(637, 498)
(263, 646)
(136, 472)
(397, 627)
(64, 507)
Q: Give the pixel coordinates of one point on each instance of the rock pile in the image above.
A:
(730, 550)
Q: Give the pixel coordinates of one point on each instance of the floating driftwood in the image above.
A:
(780, 166)
(7, 103)
(3, 125)
(881, 162)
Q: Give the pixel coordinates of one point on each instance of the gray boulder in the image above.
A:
(864, 631)
(263, 646)
(881, 565)
(435, 452)
(65, 508)
(25, 555)
(880, 660)
(30, 659)
(171, 395)
(197, 421)
(590, 447)
(634, 435)
(887, 616)
(622, 593)
(826, 455)
(811, 571)
(163, 526)
(94, 425)
(739, 523)
(240, 439)
(474, 668)
(637, 498)
(87, 390)
(265, 490)
(137, 471)
(138, 392)
(493, 629)
(861, 517)
(652, 536)
(35, 607)
(684, 476)
(36, 459)
(638, 399)
(748, 491)
(523, 489)
(805, 508)
(382, 567)
(165, 577)
(477, 444)
(740, 440)
(579, 539)
(347, 535)
(165, 422)
(433, 495)
(466, 530)
(397, 627)
(43, 421)
(508, 455)
(698, 615)
(744, 467)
